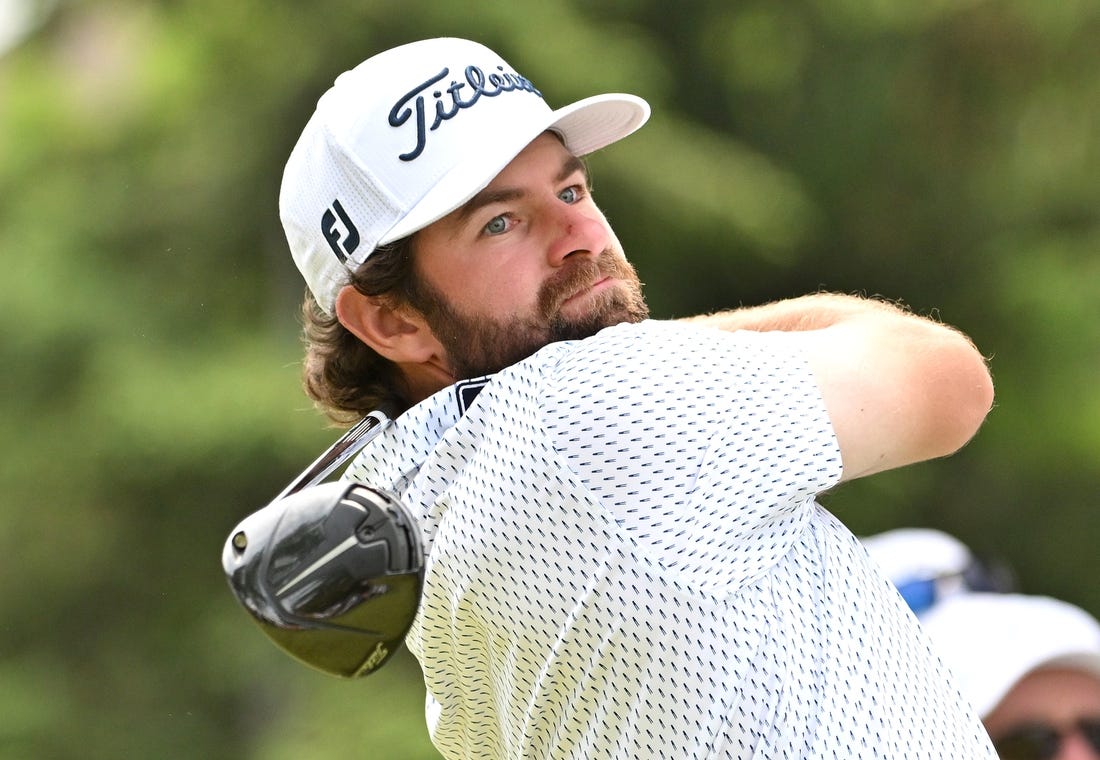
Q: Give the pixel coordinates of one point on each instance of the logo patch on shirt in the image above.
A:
(466, 391)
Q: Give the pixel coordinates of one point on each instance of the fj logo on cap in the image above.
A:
(450, 101)
(343, 242)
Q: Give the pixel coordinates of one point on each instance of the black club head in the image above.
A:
(331, 573)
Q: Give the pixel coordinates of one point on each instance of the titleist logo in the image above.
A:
(448, 102)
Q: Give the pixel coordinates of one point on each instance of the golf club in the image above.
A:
(331, 572)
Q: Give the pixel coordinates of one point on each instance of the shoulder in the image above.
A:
(669, 334)
(656, 347)
(670, 367)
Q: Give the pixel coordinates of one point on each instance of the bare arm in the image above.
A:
(899, 388)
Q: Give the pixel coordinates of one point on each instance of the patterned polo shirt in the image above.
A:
(625, 559)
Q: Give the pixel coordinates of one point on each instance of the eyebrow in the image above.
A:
(487, 197)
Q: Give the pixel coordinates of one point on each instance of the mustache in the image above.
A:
(576, 276)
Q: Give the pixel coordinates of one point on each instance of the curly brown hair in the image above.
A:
(346, 378)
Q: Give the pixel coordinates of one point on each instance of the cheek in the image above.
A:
(496, 291)
(509, 292)
(508, 283)
(488, 280)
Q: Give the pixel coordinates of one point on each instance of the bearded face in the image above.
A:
(600, 292)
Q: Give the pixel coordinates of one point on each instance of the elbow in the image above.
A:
(967, 402)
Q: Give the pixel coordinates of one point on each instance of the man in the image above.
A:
(624, 557)
(928, 566)
(1030, 665)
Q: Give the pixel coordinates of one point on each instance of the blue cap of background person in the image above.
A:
(410, 135)
(928, 566)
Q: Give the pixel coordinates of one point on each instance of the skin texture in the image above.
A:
(1052, 696)
(531, 259)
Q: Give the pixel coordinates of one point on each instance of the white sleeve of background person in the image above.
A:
(625, 559)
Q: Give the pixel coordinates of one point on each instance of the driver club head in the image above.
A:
(331, 573)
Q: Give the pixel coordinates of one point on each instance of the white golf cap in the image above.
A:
(907, 554)
(991, 641)
(408, 136)
(926, 565)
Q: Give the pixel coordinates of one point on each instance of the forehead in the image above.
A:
(545, 151)
(545, 159)
(1056, 694)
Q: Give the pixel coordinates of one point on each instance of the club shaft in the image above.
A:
(345, 447)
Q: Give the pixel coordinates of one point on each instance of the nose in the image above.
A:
(577, 231)
(1076, 747)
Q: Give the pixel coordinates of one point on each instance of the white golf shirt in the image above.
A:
(624, 559)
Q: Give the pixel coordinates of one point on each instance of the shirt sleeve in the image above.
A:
(706, 446)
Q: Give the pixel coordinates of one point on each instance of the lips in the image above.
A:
(569, 285)
(588, 289)
(600, 277)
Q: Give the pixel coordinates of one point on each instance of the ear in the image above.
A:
(399, 334)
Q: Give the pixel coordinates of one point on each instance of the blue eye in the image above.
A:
(496, 225)
(570, 195)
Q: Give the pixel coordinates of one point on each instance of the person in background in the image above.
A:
(927, 566)
(1029, 664)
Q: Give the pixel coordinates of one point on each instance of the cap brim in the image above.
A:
(907, 554)
(990, 641)
(585, 126)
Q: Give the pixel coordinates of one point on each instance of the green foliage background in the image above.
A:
(941, 152)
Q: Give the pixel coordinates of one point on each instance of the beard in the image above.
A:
(478, 345)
